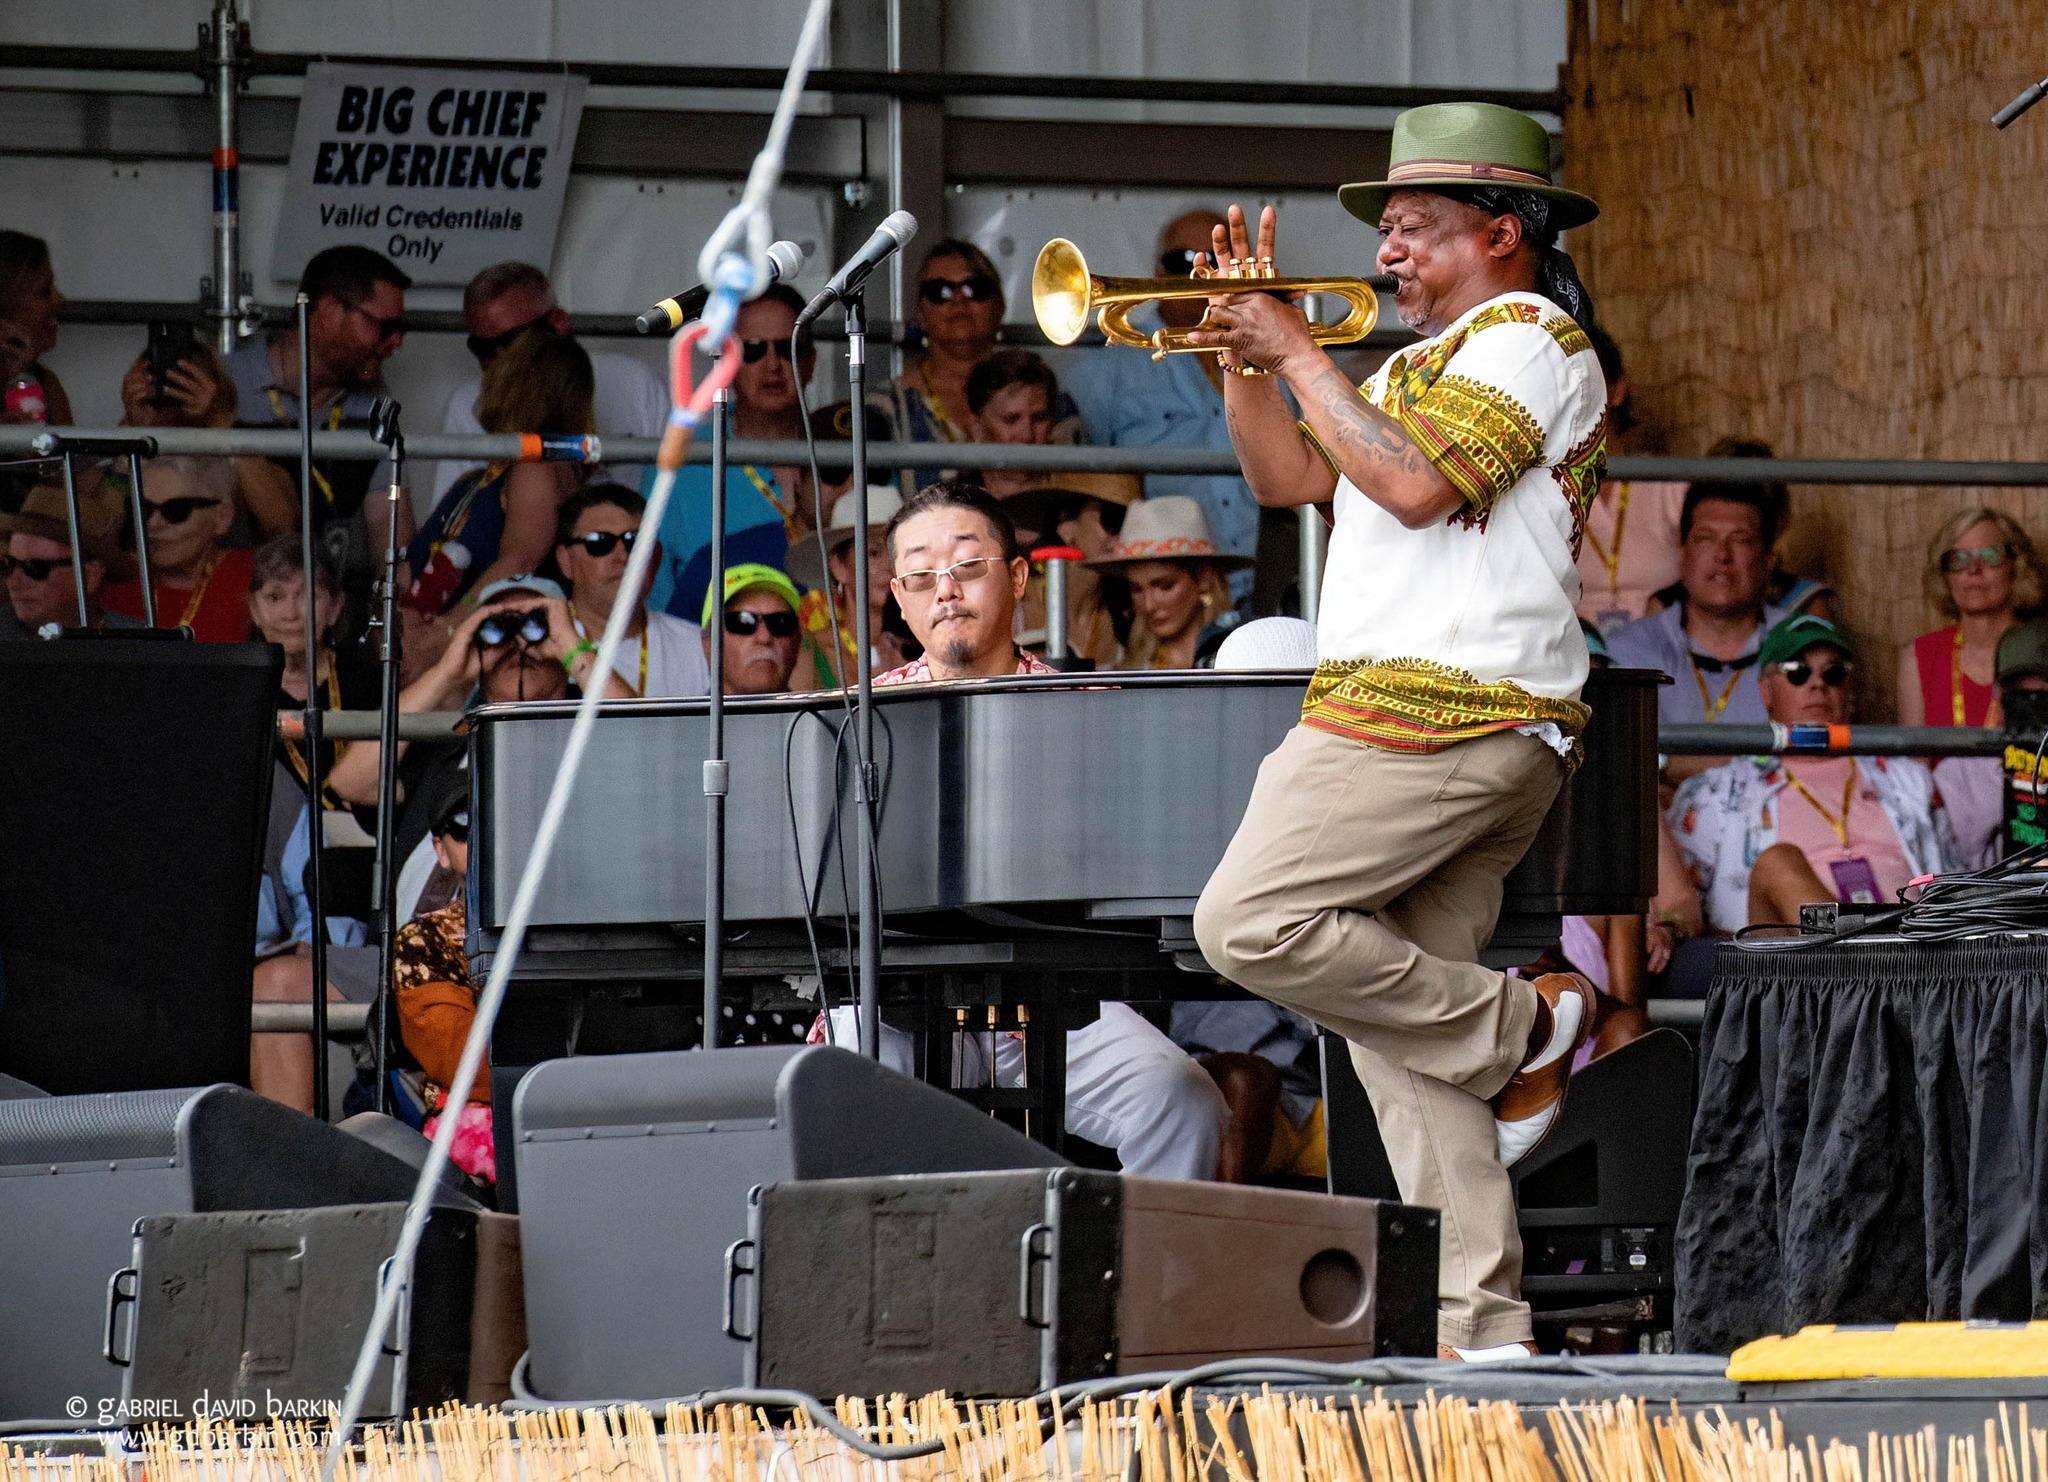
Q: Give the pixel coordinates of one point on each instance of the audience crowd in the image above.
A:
(513, 573)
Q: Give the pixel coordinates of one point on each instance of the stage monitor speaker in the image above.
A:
(264, 1312)
(77, 1172)
(634, 1173)
(131, 830)
(1007, 1284)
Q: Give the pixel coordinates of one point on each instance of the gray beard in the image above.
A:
(957, 654)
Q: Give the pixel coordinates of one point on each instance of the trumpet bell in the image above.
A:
(1061, 294)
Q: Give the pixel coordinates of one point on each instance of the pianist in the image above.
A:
(1129, 1087)
(1366, 874)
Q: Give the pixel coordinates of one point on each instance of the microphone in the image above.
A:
(2021, 104)
(892, 235)
(784, 258)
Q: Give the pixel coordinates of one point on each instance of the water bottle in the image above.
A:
(25, 398)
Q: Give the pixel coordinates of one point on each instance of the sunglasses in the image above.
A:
(1798, 671)
(530, 626)
(746, 624)
(976, 290)
(486, 347)
(1708, 664)
(386, 328)
(35, 568)
(1180, 262)
(963, 573)
(753, 350)
(1956, 561)
(176, 511)
(456, 828)
(601, 543)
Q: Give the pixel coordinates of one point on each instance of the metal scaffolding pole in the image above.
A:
(224, 42)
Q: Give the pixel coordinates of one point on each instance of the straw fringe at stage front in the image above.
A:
(1151, 1437)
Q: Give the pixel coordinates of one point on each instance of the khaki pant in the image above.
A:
(1358, 891)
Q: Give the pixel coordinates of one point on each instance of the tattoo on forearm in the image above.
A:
(1361, 429)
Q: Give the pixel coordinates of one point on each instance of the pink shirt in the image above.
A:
(1616, 577)
(1872, 840)
(918, 671)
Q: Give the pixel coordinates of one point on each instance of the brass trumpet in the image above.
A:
(1064, 293)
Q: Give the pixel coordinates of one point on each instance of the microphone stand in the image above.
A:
(716, 771)
(866, 779)
(384, 427)
(316, 870)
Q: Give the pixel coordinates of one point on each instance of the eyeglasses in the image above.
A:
(601, 543)
(1179, 262)
(753, 350)
(486, 347)
(35, 568)
(500, 628)
(1956, 561)
(176, 511)
(976, 290)
(963, 573)
(386, 328)
(746, 624)
(1797, 672)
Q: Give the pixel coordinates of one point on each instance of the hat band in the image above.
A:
(1174, 546)
(1463, 170)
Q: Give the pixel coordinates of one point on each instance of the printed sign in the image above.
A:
(445, 172)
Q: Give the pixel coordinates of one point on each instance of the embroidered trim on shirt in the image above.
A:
(1481, 439)
(1409, 380)
(1417, 705)
(1565, 330)
(1579, 476)
(1308, 435)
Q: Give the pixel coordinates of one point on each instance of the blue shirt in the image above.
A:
(753, 532)
(471, 514)
(1659, 642)
(1129, 400)
(271, 934)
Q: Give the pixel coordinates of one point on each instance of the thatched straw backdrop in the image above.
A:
(1811, 233)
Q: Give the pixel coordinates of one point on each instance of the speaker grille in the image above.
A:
(92, 1129)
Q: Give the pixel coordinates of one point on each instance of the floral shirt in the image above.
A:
(436, 998)
(918, 671)
(1726, 816)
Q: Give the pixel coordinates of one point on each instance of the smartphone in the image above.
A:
(170, 341)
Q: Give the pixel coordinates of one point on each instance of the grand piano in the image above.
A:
(1040, 846)
(1071, 808)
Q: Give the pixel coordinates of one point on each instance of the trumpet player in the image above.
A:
(1444, 713)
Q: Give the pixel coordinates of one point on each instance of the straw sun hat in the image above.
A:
(1169, 528)
(807, 566)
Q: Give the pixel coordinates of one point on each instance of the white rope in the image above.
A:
(733, 276)
(735, 259)
(399, 1270)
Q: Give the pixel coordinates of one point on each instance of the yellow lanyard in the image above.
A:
(643, 650)
(1712, 706)
(791, 527)
(1839, 825)
(333, 424)
(329, 800)
(952, 433)
(1612, 559)
(199, 595)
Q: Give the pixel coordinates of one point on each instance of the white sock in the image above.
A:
(1494, 1355)
(1565, 1015)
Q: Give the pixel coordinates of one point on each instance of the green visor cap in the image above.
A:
(1467, 144)
(1796, 635)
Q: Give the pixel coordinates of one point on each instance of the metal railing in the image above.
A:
(18, 441)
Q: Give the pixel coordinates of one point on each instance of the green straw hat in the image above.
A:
(1467, 144)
